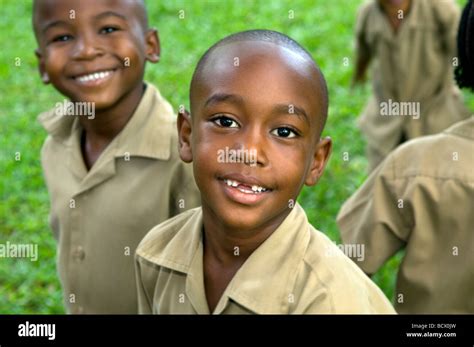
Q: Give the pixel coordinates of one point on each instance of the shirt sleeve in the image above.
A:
(362, 48)
(145, 298)
(376, 217)
(53, 220)
(447, 15)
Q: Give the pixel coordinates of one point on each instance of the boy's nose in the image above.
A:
(253, 142)
(86, 48)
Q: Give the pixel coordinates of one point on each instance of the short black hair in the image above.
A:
(270, 36)
(464, 72)
(143, 15)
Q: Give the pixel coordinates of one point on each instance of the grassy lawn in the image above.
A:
(325, 28)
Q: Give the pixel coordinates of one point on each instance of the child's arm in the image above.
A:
(362, 49)
(374, 218)
(362, 63)
(447, 14)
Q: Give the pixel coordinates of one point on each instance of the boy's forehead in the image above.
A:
(48, 5)
(247, 53)
(46, 9)
(230, 64)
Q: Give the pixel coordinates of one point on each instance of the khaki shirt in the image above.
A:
(416, 66)
(421, 198)
(296, 270)
(99, 216)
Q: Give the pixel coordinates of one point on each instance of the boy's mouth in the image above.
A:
(243, 189)
(94, 78)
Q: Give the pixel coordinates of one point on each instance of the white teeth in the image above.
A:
(246, 191)
(254, 190)
(94, 76)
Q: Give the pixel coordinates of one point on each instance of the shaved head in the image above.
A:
(209, 59)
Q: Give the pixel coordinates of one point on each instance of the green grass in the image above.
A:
(325, 28)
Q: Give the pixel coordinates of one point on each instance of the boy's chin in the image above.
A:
(99, 104)
(245, 218)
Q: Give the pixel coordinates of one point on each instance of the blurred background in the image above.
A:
(186, 29)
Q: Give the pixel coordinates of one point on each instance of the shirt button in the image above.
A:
(79, 253)
(80, 310)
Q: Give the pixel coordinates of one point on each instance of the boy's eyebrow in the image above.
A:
(110, 14)
(291, 109)
(223, 97)
(53, 24)
(99, 16)
(277, 109)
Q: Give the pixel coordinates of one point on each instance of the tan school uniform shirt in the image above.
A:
(413, 66)
(296, 270)
(421, 198)
(98, 217)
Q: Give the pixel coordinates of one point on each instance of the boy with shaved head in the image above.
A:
(110, 161)
(250, 248)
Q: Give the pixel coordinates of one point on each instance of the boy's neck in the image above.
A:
(393, 14)
(226, 249)
(106, 125)
(230, 246)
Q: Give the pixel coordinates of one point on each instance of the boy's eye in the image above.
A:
(284, 132)
(225, 122)
(62, 38)
(108, 30)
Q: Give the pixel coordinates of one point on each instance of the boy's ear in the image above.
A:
(320, 159)
(184, 136)
(153, 49)
(44, 75)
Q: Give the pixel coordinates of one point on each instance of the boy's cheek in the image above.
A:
(206, 153)
(286, 156)
(127, 48)
(55, 59)
(207, 140)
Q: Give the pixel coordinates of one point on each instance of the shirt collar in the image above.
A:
(380, 22)
(147, 133)
(264, 282)
(464, 128)
(275, 265)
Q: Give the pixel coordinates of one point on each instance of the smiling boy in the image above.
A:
(110, 177)
(250, 248)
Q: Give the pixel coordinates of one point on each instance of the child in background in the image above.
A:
(110, 160)
(412, 47)
(421, 198)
